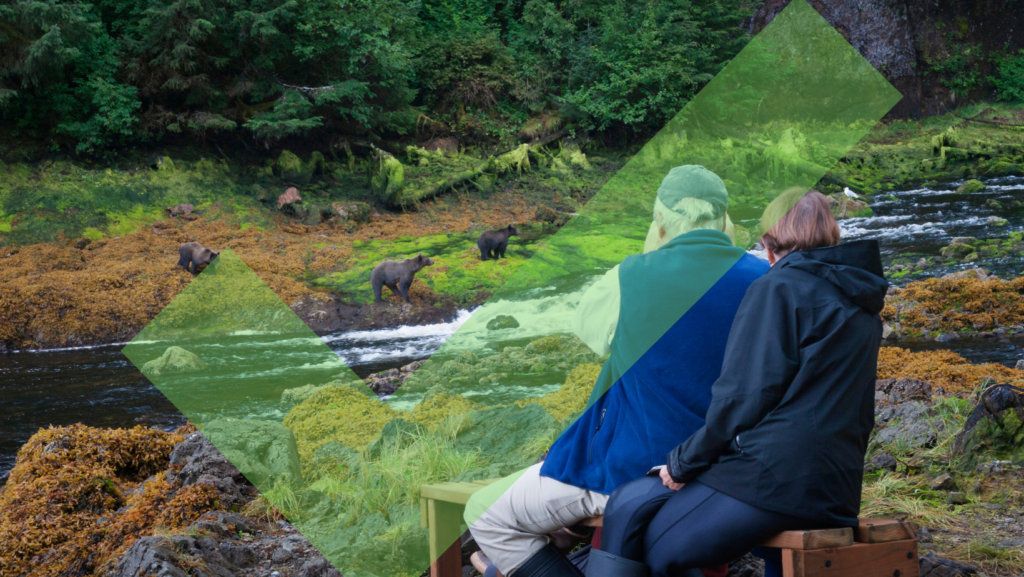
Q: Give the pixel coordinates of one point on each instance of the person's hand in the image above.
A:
(666, 479)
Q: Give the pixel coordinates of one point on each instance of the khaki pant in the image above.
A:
(522, 516)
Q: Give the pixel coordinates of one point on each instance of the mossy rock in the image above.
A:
(174, 360)
(970, 186)
(502, 322)
(994, 431)
(291, 167)
(957, 249)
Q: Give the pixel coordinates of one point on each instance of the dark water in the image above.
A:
(100, 387)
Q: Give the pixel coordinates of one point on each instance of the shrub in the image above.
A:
(1010, 82)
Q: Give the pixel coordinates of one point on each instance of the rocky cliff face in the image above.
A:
(923, 46)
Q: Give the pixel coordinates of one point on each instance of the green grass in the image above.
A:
(888, 496)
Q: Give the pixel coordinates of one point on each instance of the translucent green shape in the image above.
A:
(347, 469)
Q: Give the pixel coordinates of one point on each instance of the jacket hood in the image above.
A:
(855, 268)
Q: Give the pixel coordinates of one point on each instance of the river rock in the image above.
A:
(958, 249)
(931, 565)
(997, 221)
(884, 462)
(222, 524)
(502, 322)
(912, 422)
(174, 360)
(845, 207)
(149, 556)
(901, 390)
(265, 453)
(970, 186)
(943, 482)
(994, 429)
(971, 273)
(201, 463)
(318, 566)
(946, 337)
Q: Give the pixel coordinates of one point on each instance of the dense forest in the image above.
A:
(84, 77)
(88, 78)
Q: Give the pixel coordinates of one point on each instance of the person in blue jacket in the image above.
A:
(663, 317)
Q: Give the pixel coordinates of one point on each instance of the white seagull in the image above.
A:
(849, 193)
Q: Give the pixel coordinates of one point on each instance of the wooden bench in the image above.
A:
(877, 548)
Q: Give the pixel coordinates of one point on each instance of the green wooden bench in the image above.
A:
(877, 548)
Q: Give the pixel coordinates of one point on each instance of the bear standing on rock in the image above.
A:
(397, 275)
(493, 243)
(193, 255)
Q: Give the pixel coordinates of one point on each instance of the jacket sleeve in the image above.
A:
(761, 360)
(597, 313)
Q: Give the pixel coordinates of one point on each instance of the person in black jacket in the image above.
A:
(785, 436)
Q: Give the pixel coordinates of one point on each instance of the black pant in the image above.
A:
(696, 526)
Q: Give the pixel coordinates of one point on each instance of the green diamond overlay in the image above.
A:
(344, 467)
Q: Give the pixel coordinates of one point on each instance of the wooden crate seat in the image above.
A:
(876, 548)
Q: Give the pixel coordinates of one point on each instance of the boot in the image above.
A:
(603, 564)
(548, 562)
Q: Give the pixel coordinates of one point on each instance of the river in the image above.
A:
(99, 387)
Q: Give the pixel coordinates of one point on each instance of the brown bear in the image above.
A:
(397, 275)
(493, 243)
(193, 255)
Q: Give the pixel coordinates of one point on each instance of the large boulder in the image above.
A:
(174, 360)
(995, 430)
(265, 453)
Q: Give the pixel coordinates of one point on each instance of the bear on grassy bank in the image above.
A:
(397, 275)
(493, 243)
(192, 256)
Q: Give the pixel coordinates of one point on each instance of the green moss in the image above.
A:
(93, 233)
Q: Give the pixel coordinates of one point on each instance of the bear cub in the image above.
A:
(493, 243)
(397, 275)
(193, 255)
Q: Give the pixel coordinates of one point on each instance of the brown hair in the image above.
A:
(799, 219)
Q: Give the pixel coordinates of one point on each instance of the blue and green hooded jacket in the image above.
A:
(677, 306)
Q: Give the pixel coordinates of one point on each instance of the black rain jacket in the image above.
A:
(793, 408)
